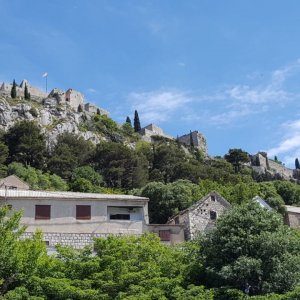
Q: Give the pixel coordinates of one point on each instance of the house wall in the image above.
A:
(64, 228)
(197, 219)
(182, 219)
(292, 219)
(176, 232)
(199, 216)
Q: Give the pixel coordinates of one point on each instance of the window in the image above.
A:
(177, 220)
(119, 217)
(213, 198)
(165, 235)
(12, 188)
(213, 215)
(83, 212)
(42, 212)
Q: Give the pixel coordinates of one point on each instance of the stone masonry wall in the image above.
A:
(198, 140)
(199, 217)
(75, 240)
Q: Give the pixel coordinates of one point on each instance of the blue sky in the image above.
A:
(229, 69)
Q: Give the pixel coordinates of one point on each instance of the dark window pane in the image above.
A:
(42, 212)
(83, 212)
(213, 215)
(120, 217)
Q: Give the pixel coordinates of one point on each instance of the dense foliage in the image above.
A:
(249, 252)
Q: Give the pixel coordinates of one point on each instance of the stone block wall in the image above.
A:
(199, 140)
(75, 240)
(199, 216)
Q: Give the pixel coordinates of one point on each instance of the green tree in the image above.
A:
(236, 157)
(121, 166)
(70, 152)
(86, 179)
(297, 164)
(98, 111)
(26, 93)
(26, 144)
(13, 92)
(128, 121)
(18, 259)
(36, 179)
(136, 122)
(79, 109)
(168, 199)
(250, 246)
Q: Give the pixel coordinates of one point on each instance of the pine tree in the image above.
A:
(13, 91)
(26, 93)
(128, 121)
(297, 164)
(136, 122)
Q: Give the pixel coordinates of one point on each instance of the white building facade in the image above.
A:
(75, 219)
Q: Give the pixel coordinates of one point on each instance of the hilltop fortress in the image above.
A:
(70, 97)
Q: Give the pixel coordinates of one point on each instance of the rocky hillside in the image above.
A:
(55, 118)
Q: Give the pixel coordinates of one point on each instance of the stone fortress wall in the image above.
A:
(199, 141)
(70, 97)
(262, 165)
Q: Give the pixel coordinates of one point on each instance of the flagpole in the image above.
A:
(46, 82)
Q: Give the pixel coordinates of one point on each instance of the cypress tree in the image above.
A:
(128, 121)
(13, 91)
(79, 108)
(191, 140)
(98, 111)
(26, 93)
(136, 122)
(297, 164)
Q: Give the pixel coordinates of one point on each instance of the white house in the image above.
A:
(74, 219)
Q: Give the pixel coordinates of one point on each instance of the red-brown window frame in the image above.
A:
(85, 215)
(42, 212)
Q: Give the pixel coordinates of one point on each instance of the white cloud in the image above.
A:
(157, 106)
(240, 101)
(181, 64)
(290, 143)
(91, 90)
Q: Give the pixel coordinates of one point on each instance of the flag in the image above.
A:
(45, 74)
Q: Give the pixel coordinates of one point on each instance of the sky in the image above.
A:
(229, 69)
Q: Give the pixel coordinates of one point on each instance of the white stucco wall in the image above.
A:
(63, 216)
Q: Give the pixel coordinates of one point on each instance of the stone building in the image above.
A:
(59, 95)
(93, 109)
(151, 130)
(74, 98)
(201, 216)
(197, 138)
(292, 216)
(261, 164)
(13, 182)
(35, 92)
(74, 219)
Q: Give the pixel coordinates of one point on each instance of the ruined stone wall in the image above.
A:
(280, 169)
(74, 98)
(199, 140)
